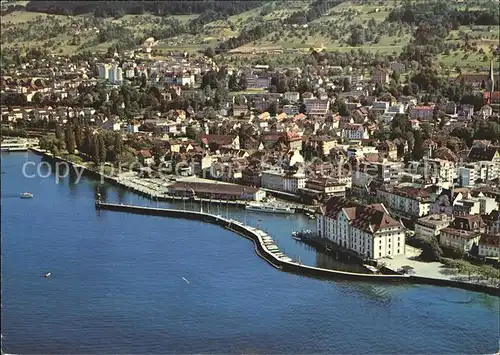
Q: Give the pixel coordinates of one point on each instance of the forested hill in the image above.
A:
(119, 8)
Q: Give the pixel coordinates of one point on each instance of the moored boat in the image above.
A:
(269, 208)
(26, 195)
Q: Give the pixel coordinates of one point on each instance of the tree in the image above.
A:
(346, 85)
(418, 149)
(431, 251)
(70, 140)
(78, 137)
(37, 98)
(95, 149)
(59, 133)
(102, 148)
(209, 52)
(191, 132)
(357, 37)
(118, 143)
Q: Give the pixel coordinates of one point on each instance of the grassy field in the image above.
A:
(343, 15)
(485, 38)
(329, 32)
(21, 17)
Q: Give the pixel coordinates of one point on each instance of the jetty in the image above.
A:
(17, 144)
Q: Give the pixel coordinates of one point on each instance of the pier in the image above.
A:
(17, 144)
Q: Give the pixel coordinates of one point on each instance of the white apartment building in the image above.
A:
(355, 132)
(283, 181)
(443, 170)
(111, 72)
(407, 200)
(368, 230)
(317, 106)
(115, 74)
(471, 172)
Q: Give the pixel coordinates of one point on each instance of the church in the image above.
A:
(490, 96)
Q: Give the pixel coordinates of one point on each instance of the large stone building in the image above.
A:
(368, 230)
(280, 180)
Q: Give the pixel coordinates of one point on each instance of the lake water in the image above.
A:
(117, 286)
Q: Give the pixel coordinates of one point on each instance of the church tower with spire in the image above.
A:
(492, 97)
(491, 79)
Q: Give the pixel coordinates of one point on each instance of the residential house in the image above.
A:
(450, 108)
(493, 223)
(463, 233)
(429, 227)
(321, 188)
(388, 150)
(290, 110)
(422, 113)
(355, 132)
(379, 108)
(292, 141)
(380, 76)
(321, 144)
(251, 176)
(239, 110)
(216, 141)
(317, 107)
(145, 157)
(489, 246)
(292, 96)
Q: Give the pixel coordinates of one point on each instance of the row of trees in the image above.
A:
(463, 267)
(116, 9)
(100, 147)
(317, 9)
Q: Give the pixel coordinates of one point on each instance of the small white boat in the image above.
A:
(26, 195)
(47, 275)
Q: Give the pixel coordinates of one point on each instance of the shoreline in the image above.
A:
(292, 267)
(151, 194)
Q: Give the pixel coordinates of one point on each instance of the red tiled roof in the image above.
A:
(369, 218)
(145, 153)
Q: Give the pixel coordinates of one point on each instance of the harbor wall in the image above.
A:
(250, 233)
(494, 291)
(293, 267)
